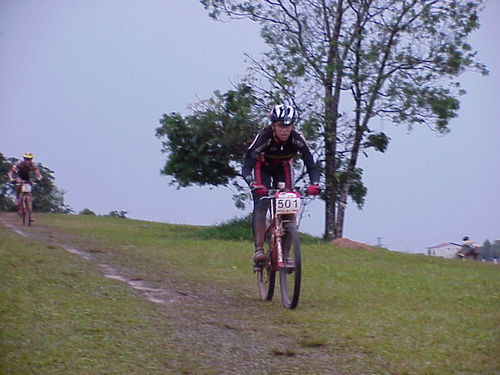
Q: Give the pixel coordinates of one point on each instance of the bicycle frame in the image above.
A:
(25, 204)
(283, 251)
(275, 230)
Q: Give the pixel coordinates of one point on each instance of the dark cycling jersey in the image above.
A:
(24, 168)
(276, 153)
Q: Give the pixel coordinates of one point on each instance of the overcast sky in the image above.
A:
(84, 84)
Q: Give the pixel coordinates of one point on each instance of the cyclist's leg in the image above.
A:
(259, 220)
(285, 174)
(18, 195)
(260, 207)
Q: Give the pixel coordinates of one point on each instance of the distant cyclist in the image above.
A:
(270, 157)
(468, 249)
(21, 172)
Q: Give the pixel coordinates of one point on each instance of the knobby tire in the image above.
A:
(290, 277)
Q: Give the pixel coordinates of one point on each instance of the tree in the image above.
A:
(345, 62)
(495, 250)
(206, 148)
(46, 196)
(392, 59)
(490, 251)
(485, 250)
(6, 203)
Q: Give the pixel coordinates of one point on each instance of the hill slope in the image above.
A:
(83, 294)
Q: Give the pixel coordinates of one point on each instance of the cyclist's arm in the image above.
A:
(249, 165)
(37, 173)
(11, 172)
(9, 175)
(258, 145)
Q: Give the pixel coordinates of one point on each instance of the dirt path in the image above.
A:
(221, 334)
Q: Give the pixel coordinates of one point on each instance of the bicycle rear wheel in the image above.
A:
(290, 274)
(266, 278)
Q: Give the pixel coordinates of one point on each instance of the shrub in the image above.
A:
(87, 211)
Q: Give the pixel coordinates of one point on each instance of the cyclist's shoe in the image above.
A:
(289, 266)
(259, 256)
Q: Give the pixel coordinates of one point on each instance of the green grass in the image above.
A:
(240, 229)
(373, 312)
(59, 316)
(236, 229)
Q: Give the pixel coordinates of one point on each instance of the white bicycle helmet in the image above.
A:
(283, 112)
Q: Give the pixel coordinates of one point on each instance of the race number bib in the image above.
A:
(26, 188)
(287, 203)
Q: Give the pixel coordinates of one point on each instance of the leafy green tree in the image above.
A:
(206, 148)
(392, 59)
(490, 251)
(345, 62)
(485, 250)
(6, 203)
(46, 196)
(495, 251)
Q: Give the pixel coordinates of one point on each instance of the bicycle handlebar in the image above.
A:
(271, 192)
(32, 183)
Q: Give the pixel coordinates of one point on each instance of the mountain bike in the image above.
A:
(282, 248)
(25, 203)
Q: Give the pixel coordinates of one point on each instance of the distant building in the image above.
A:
(445, 250)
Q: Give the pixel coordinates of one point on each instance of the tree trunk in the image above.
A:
(346, 186)
(330, 179)
(339, 223)
(332, 86)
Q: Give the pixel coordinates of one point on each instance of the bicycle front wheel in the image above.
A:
(290, 274)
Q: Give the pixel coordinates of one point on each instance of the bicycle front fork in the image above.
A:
(279, 248)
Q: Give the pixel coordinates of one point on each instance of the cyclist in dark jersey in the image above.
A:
(270, 157)
(21, 171)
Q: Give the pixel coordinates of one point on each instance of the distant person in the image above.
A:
(21, 172)
(468, 248)
(270, 157)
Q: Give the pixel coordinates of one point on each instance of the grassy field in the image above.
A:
(361, 312)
